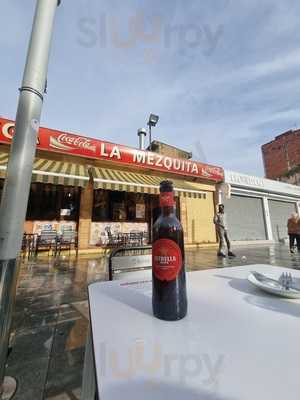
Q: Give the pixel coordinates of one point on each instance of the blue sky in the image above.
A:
(222, 74)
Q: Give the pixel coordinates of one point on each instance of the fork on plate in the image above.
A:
(286, 280)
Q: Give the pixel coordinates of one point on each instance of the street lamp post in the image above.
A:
(142, 133)
(153, 120)
(150, 135)
(19, 170)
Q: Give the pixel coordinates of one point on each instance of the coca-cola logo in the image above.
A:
(209, 171)
(67, 142)
(8, 130)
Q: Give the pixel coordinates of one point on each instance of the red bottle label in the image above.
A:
(166, 259)
(166, 199)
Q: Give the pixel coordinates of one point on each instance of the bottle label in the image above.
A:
(166, 199)
(166, 259)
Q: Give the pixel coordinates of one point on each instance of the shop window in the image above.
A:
(101, 205)
(136, 207)
(53, 202)
(70, 203)
(119, 206)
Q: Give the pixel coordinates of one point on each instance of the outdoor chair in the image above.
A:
(130, 263)
(28, 243)
(135, 239)
(67, 240)
(122, 239)
(145, 237)
(113, 240)
(47, 241)
(24, 246)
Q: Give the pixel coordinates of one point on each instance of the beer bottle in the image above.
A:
(169, 299)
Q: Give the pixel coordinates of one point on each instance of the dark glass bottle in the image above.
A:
(169, 298)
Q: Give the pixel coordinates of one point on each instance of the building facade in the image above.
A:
(168, 150)
(257, 209)
(282, 155)
(98, 188)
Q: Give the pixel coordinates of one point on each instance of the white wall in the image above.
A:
(247, 185)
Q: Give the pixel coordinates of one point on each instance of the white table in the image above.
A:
(236, 343)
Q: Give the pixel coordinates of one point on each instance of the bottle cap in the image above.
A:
(166, 186)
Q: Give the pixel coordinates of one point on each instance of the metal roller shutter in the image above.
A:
(245, 218)
(280, 211)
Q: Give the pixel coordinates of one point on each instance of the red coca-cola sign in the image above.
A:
(69, 143)
(166, 259)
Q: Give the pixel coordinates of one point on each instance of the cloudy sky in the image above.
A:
(223, 75)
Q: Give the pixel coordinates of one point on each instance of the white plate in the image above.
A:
(269, 284)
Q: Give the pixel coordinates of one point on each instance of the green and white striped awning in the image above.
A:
(3, 163)
(72, 174)
(55, 172)
(109, 179)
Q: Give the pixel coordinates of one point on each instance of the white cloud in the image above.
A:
(230, 100)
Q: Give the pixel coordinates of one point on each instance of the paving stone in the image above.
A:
(31, 378)
(65, 373)
(49, 324)
(29, 346)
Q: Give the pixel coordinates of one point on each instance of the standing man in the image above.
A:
(293, 226)
(220, 222)
(298, 233)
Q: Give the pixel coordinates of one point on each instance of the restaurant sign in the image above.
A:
(69, 143)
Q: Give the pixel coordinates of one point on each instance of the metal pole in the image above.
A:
(268, 222)
(19, 170)
(150, 137)
(298, 208)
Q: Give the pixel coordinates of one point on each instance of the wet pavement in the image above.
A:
(50, 325)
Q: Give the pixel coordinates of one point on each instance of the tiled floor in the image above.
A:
(49, 328)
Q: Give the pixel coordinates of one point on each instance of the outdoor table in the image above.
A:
(236, 343)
